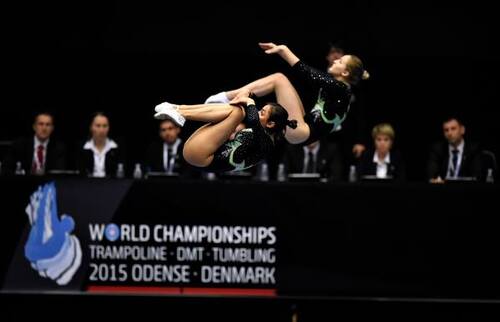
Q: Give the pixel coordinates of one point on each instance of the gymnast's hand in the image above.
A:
(271, 48)
(243, 93)
(242, 101)
(282, 50)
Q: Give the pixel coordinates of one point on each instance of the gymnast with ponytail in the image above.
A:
(333, 101)
(236, 137)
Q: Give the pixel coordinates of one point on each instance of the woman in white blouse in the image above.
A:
(381, 161)
(100, 155)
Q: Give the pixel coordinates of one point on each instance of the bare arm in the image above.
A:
(282, 50)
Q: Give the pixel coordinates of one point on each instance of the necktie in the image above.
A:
(454, 163)
(37, 164)
(170, 156)
(310, 164)
(39, 155)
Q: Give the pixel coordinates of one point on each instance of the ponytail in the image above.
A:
(356, 70)
(279, 116)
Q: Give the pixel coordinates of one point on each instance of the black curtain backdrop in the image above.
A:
(426, 61)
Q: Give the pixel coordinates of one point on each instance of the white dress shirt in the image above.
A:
(36, 144)
(99, 170)
(306, 156)
(452, 172)
(382, 165)
(170, 167)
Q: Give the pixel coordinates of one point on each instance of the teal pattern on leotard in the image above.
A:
(336, 121)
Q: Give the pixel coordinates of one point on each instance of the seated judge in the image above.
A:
(455, 157)
(381, 161)
(40, 153)
(320, 157)
(165, 155)
(100, 155)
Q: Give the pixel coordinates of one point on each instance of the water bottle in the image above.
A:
(210, 176)
(120, 172)
(264, 172)
(19, 170)
(281, 175)
(137, 171)
(489, 176)
(352, 174)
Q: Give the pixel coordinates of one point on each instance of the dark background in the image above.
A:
(402, 262)
(426, 61)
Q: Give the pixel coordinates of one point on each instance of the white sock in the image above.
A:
(219, 98)
(159, 107)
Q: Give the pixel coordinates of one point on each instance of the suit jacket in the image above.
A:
(328, 163)
(154, 158)
(396, 168)
(439, 158)
(85, 161)
(22, 151)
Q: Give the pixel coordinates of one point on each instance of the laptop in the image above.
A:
(159, 174)
(373, 178)
(304, 177)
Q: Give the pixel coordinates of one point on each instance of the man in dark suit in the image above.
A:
(40, 153)
(165, 155)
(318, 157)
(454, 158)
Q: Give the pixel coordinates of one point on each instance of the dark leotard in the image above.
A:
(248, 148)
(332, 105)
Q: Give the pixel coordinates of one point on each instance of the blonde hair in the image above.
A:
(356, 70)
(383, 129)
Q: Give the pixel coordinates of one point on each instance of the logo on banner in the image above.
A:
(51, 249)
(112, 232)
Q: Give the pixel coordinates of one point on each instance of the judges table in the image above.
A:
(263, 241)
